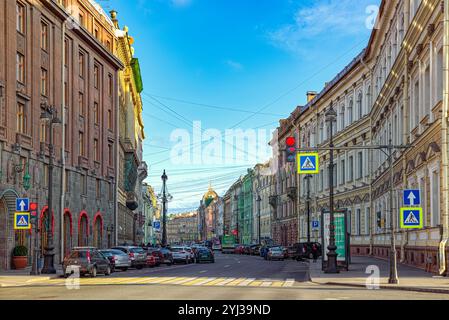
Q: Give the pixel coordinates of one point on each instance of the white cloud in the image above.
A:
(325, 18)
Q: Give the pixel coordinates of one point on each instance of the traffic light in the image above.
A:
(33, 210)
(290, 149)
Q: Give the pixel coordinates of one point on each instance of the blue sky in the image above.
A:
(199, 57)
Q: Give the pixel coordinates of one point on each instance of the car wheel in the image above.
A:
(108, 271)
(93, 273)
(139, 267)
(124, 269)
(187, 261)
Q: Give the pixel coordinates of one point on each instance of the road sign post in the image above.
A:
(411, 198)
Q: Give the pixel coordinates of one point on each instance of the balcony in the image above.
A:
(273, 200)
(291, 193)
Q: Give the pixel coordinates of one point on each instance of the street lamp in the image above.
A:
(331, 267)
(308, 177)
(49, 117)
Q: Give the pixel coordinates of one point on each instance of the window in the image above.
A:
(360, 105)
(43, 132)
(96, 77)
(350, 112)
(81, 144)
(111, 192)
(81, 103)
(66, 181)
(111, 155)
(439, 82)
(343, 171)
(96, 151)
(435, 199)
(351, 168)
(358, 221)
(416, 104)
(20, 12)
(367, 214)
(360, 165)
(98, 188)
(44, 36)
(110, 119)
(21, 118)
(45, 175)
(20, 68)
(110, 85)
(427, 102)
(83, 184)
(96, 33)
(81, 63)
(44, 82)
(96, 113)
(81, 19)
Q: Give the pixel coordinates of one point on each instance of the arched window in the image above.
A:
(67, 233)
(360, 104)
(83, 230)
(350, 111)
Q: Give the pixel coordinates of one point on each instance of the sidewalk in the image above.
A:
(410, 279)
(23, 277)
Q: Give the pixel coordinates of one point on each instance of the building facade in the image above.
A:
(58, 54)
(182, 228)
(132, 169)
(262, 186)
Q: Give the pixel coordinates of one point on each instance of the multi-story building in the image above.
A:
(262, 187)
(182, 228)
(207, 215)
(227, 213)
(245, 208)
(58, 54)
(150, 208)
(349, 95)
(284, 222)
(132, 169)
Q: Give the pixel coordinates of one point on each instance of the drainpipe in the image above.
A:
(445, 145)
(63, 177)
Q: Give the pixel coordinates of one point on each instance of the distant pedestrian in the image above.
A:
(314, 252)
(429, 263)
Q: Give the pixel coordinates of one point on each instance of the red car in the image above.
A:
(239, 249)
(151, 261)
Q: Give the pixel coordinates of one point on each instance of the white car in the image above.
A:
(192, 254)
(181, 254)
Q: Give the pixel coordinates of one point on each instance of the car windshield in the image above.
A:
(177, 249)
(78, 254)
(107, 253)
(136, 250)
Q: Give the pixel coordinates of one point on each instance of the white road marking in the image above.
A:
(246, 282)
(266, 283)
(204, 281)
(227, 266)
(225, 282)
(289, 283)
(184, 280)
(204, 271)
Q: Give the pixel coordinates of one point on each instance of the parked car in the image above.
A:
(303, 250)
(204, 254)
(156, 254)
(151, 261)
(239, 249)
(192, 254)
(166, 256)
(137, 255)
(118, 259)
(89, 261)
(264, 251)
(247, 249)
(254, 250)
(276, 253)
(180, 254)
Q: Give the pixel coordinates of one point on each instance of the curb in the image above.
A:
(415, 289)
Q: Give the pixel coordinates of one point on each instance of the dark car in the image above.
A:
(88, 260)
(239, 249)
(156, 254)
(247, 250)
(117, 258)
(204, 254)
(264, 251)
(137, 255)
(254, 250)
(303, 250)
(166, 256)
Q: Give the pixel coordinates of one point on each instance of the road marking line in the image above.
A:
(145, 279)
(177, 279)
(225, 282)
(227, 266)
(204, 271)
(204, 281)
(185, 280)
(277, 283)
(246, 282)
(236, 282)
(256, 284)
(266, 284)
(215, 282)
(289, 283)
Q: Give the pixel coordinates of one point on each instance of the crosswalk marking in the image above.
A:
(204, 281)
(246, 282)
(235, 282)
(289, 283)
(184, 281)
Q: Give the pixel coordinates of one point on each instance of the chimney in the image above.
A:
(311, 95)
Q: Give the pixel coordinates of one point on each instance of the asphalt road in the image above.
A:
(231, 277)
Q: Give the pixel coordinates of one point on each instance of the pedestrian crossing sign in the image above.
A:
(308, 163)
(22, 221)
(411, 218)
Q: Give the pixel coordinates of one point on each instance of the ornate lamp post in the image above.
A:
(331, 267)
(50, 118)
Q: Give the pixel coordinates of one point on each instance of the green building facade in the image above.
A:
(245, 211)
